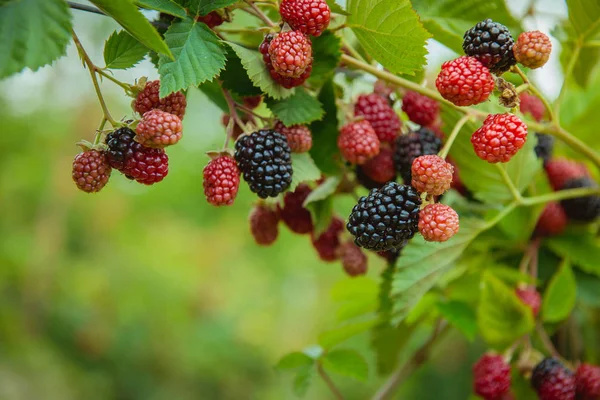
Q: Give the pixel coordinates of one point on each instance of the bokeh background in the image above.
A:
(149, 292)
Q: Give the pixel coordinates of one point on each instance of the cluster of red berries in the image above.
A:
(139, 155)
(288, 54)
(468, 80)
(550, 379)
(329, 244)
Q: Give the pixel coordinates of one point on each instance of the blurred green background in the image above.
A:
(149, 292)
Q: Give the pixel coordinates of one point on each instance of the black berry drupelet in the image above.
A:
(584, 209)
(386, 217)
(415, 144)
(553, 381)
(492, 44)
(544, 147)
(264, 158)
(119, 147)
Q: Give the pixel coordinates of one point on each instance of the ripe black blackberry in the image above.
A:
(553, 381)
(264, 158)
(386, 217)
(415, 144)
(119, 147)
(584, 209)
(492, 44)
(544, 147)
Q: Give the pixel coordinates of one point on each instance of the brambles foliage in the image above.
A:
(460, 183)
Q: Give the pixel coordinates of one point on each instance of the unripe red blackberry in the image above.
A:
(293, 213)
(146, 165)
(382, 117)
(532, 49)
(531, 298)
(438, 222)
(211, 19)
(492, 44)
(431, 175)
(420, 109)
(552, 220)
(491, 377)
(358, 142)
(530, 104)
(327, 243)
(561, 170)
(587, 380)
(298, 136)
(465, 81)
(290, 53)
(285, 82)
(307, 16)
(354, 261)
(149, 99)
(381, 167)
(159, 129)
(385, 218)
(264, 225)
(221, 180)
(499, 138)
(553, 381)
(91, 171)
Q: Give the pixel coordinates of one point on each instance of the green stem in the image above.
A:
(352, 50)
(453, 135)
(258, 13)
(327, 379)
(560, 195)
(92, 69)
(108, 76)
(568, 73)
(509, 183)
(531, 87)
(505, 211)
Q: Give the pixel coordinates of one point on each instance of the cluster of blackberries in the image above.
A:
(138, 154)
(329, 244)
(288, 54)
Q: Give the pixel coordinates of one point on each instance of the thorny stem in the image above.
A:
(232, 114)
(509, 183)
(327, 379)
(258, 13)
(548, 128)
(535, 92)
(461, 122)
(404, 371)
(92, 69)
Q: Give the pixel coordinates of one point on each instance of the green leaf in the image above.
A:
(347, 363)
(327, 51)
(299, 109)
(354, 297)
(213, 91)
(482, 178)
(294, 360)
(461, 316)
(585, 17)
(203, 7)
(582, 249)
(335, 336)
(323, 191)
(422, 263)
(303, 379)
(448, 20)
(164, 6)
(33, 33)
(501, 316)
(257, 71)
(304, 170)
(198, 57)
(325, 133)
(321, 213)
(336, 8)
(235, 79)
(122, 51)
(390, 31)
(560, 295)
(134, 22)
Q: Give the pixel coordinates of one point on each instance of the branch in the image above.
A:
(405, 370)
(232, 113)
(258, 13)
(509, 183)
(535, 92)
(336, 393)
(461, 122)
(560, 195)
(94, 10)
